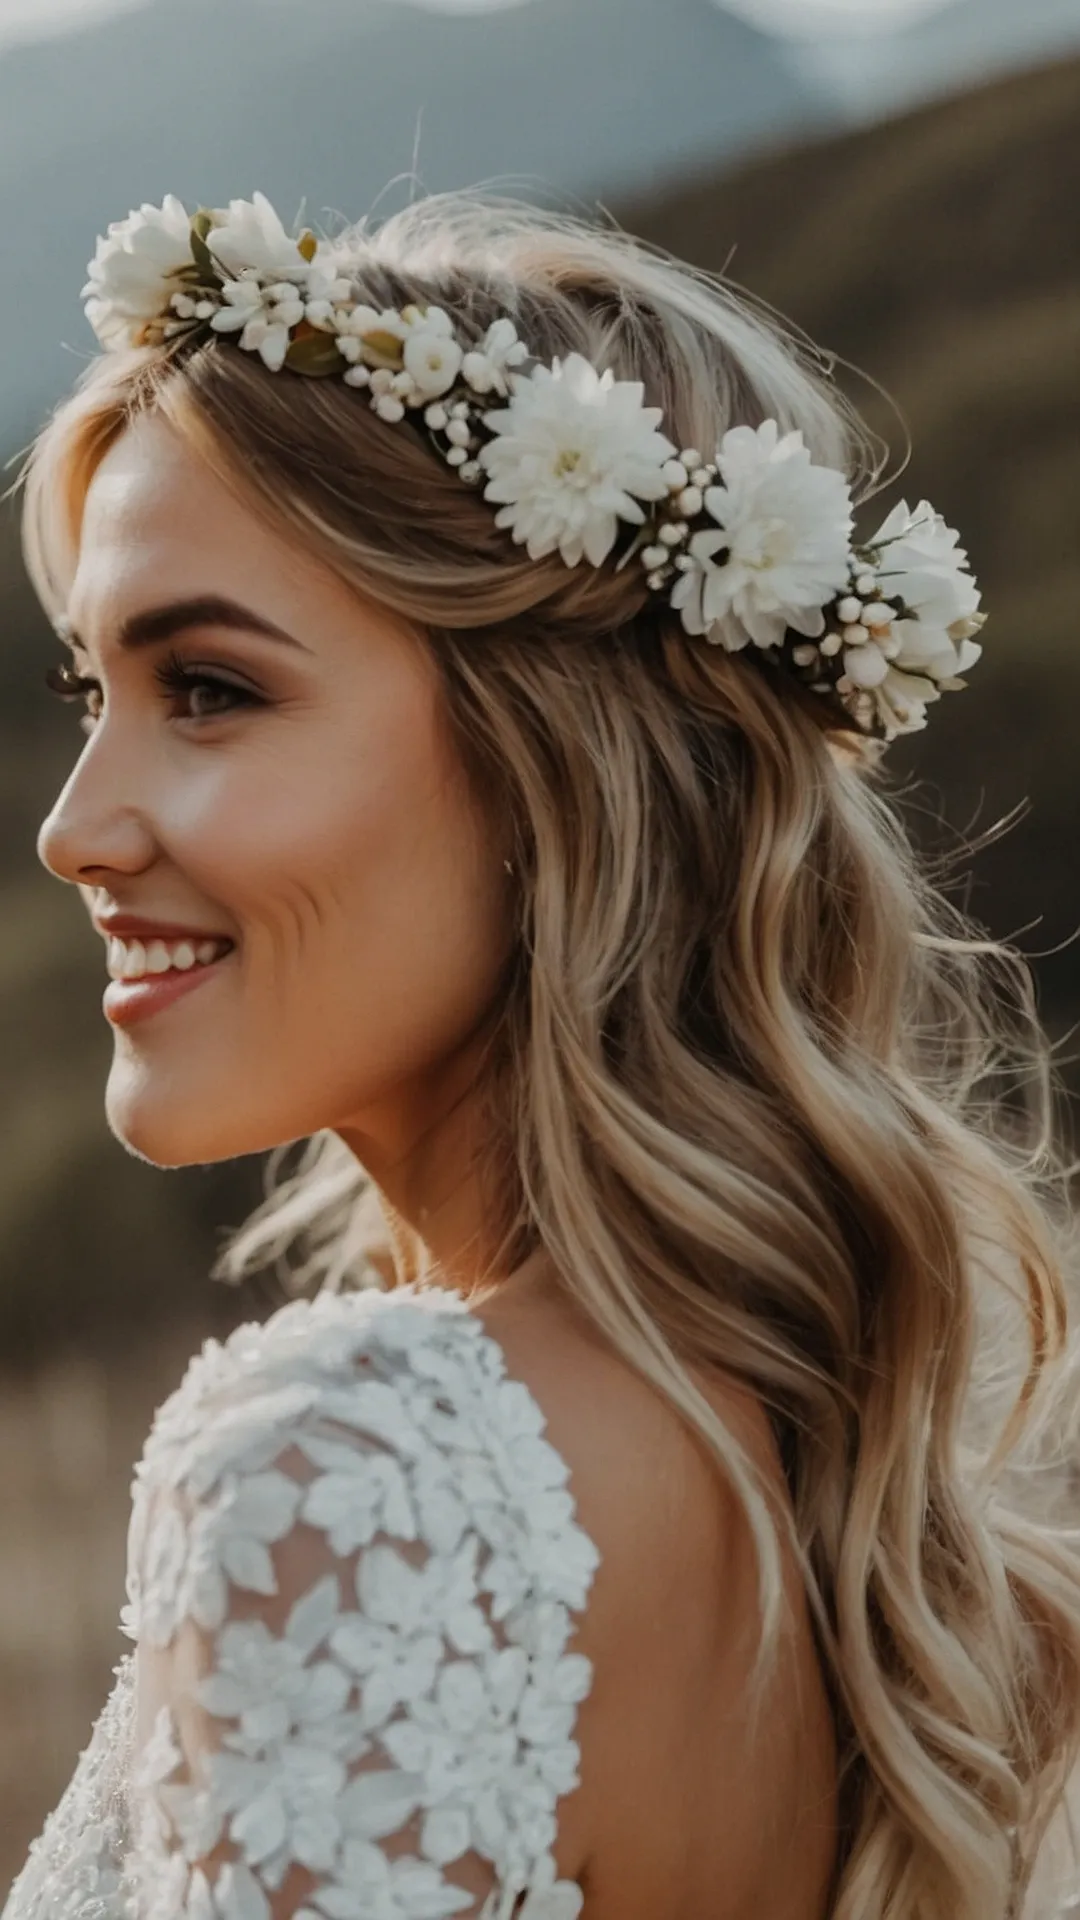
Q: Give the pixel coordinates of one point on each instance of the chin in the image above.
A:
(169, 1130)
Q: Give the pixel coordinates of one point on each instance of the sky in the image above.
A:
(804, 18)
(34, 19)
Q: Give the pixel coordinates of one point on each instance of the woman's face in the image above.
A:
(317, 816)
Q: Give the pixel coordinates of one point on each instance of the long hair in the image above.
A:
(770, 1101)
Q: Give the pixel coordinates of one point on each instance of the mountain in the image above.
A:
(871, 74)
(939, 253)
(331, 100)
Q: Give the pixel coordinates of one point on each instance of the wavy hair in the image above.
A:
(771, 1102)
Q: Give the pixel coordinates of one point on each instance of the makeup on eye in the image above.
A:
(173, 674)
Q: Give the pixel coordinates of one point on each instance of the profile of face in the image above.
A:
(309, 806)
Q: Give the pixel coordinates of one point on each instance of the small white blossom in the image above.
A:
(782, 545)
(572, 454)
(488, 366)
(433, 362)
(267, 316)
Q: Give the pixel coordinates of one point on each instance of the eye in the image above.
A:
(171, 674)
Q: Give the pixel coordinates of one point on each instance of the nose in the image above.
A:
(91, 828)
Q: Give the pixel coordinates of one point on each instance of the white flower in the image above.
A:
(132, 274)
(784, 527)
(922, 565)
(284, 1807)
(158, 1577)
(487, 367)
(266, 314)
(367, 338)
(350, 324)
(401, 1889)
(551, 1899)
(356, 1496)
(901, 701)
(432, 356)
(237, 1896)
(326, 290)
(395, 1641)
(570, 451)
(463, 1744)
(267, 1684)
(250, 235)
(228, 1541)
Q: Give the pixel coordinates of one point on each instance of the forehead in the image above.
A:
(152, 487)
(158, 520)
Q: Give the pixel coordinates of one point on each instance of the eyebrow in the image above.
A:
(176, 616)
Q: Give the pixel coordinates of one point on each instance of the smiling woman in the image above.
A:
(662, 1429)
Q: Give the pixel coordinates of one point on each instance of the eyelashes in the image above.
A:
(171, 674)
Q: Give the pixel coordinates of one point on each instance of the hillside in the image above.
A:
(939, 253)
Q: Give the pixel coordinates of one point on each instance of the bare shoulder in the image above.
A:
(682, 1800)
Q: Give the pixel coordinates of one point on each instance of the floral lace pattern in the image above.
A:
(75, 1868)
(414, 1714)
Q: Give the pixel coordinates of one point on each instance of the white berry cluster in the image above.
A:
(751, 547)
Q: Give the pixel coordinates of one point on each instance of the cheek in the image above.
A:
(371, 900)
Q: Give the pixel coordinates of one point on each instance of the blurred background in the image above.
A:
(897, 177)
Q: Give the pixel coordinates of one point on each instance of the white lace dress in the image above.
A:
(354, 1558)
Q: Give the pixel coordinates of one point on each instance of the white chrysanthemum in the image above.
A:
(784, 527)
(132, 274)
(249, 234)
(572, 454)
(922, 565)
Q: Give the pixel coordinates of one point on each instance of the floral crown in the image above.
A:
(759, 532)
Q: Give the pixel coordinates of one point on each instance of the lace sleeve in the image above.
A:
(352, 1571)
(75, 1869)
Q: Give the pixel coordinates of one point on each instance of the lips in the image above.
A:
(126, 926)
(126, 1001)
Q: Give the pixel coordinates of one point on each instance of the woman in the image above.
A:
(637, 1515)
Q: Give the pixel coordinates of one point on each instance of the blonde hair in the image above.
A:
(742, 1082)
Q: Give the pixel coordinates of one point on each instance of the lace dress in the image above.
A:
(354, 1557)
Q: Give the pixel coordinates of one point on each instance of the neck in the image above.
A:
(426, 1152)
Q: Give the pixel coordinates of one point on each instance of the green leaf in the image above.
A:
(314, 352)
(382, 348)
(209, 268)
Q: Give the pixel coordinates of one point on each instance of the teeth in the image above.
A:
(133, 960)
